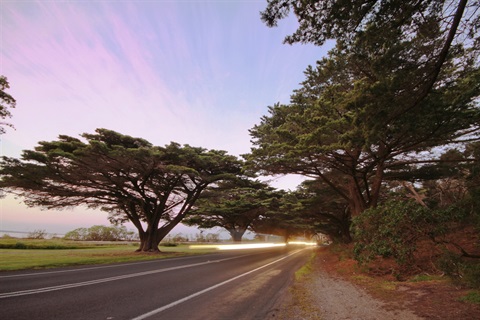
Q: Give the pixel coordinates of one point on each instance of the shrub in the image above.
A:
(20, 245)
(471, 274)
(37, 234)
(462, 271)
(394, 229)
(450, 264)
(168, 244)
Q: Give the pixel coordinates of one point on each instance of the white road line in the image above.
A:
(91, 282)
(91, 268)
(168, 306)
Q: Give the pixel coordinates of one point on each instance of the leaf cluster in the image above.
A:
(7, 102)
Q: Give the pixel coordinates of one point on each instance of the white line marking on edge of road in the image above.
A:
(91, 282)
(170, 305)
(91, 268)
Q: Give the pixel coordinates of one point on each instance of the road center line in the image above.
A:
(168, 306)
(92, 282)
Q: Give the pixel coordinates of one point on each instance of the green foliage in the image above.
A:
(209, 237)
(234, 205)
(19, 245)
(324, 210)
(286, 218)
(471, 274)
(461, 270)
(37, 234)
(100, 233)
(7, 102)
(394, 229)
(168, 244)
(47, 245)
(472, 297)
(349, 20)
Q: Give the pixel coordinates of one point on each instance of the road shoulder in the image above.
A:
(321, 294)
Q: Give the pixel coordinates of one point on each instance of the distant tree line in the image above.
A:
(101, 233)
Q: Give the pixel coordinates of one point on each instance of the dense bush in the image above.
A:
(395, 228)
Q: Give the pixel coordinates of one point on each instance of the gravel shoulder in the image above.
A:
(319, 295)
(331, 290)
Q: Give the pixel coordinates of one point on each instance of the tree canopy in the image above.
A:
(362, 112)
(346, 20)
(349, 22)
(286, 219)
(324, 210)
(233, 205)
(7, 102)
(153, 187)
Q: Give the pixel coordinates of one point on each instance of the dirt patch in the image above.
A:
(337, 289)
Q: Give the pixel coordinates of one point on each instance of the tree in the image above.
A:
(234, 205)
(346, 125)
(285, 219)
(325, 211)
(7, 102)
(153, 187)
(345, 19)
(37, 234)
(350, 21)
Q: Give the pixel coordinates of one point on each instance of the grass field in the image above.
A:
(20, 254)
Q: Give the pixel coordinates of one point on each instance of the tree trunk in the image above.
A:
(236, 235)
(341, 236)
(343, 230)
(148, 241)
(345, 236)
(356, 202)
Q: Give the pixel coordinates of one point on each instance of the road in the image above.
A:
(237, 284)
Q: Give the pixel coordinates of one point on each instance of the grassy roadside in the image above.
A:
(21, 254)
(306, 269)
(297, 303)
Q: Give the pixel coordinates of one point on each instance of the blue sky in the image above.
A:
(194, 72)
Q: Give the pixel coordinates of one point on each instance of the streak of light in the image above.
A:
(303, 242)
(237, 246)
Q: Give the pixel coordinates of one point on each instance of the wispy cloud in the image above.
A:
(163, 69)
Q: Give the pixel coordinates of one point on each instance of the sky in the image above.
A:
(194, 72)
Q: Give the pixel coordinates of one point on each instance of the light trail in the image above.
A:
(248, 246)
(303, 242)
(236, 246)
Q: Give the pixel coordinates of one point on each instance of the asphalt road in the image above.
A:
(237, 284)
